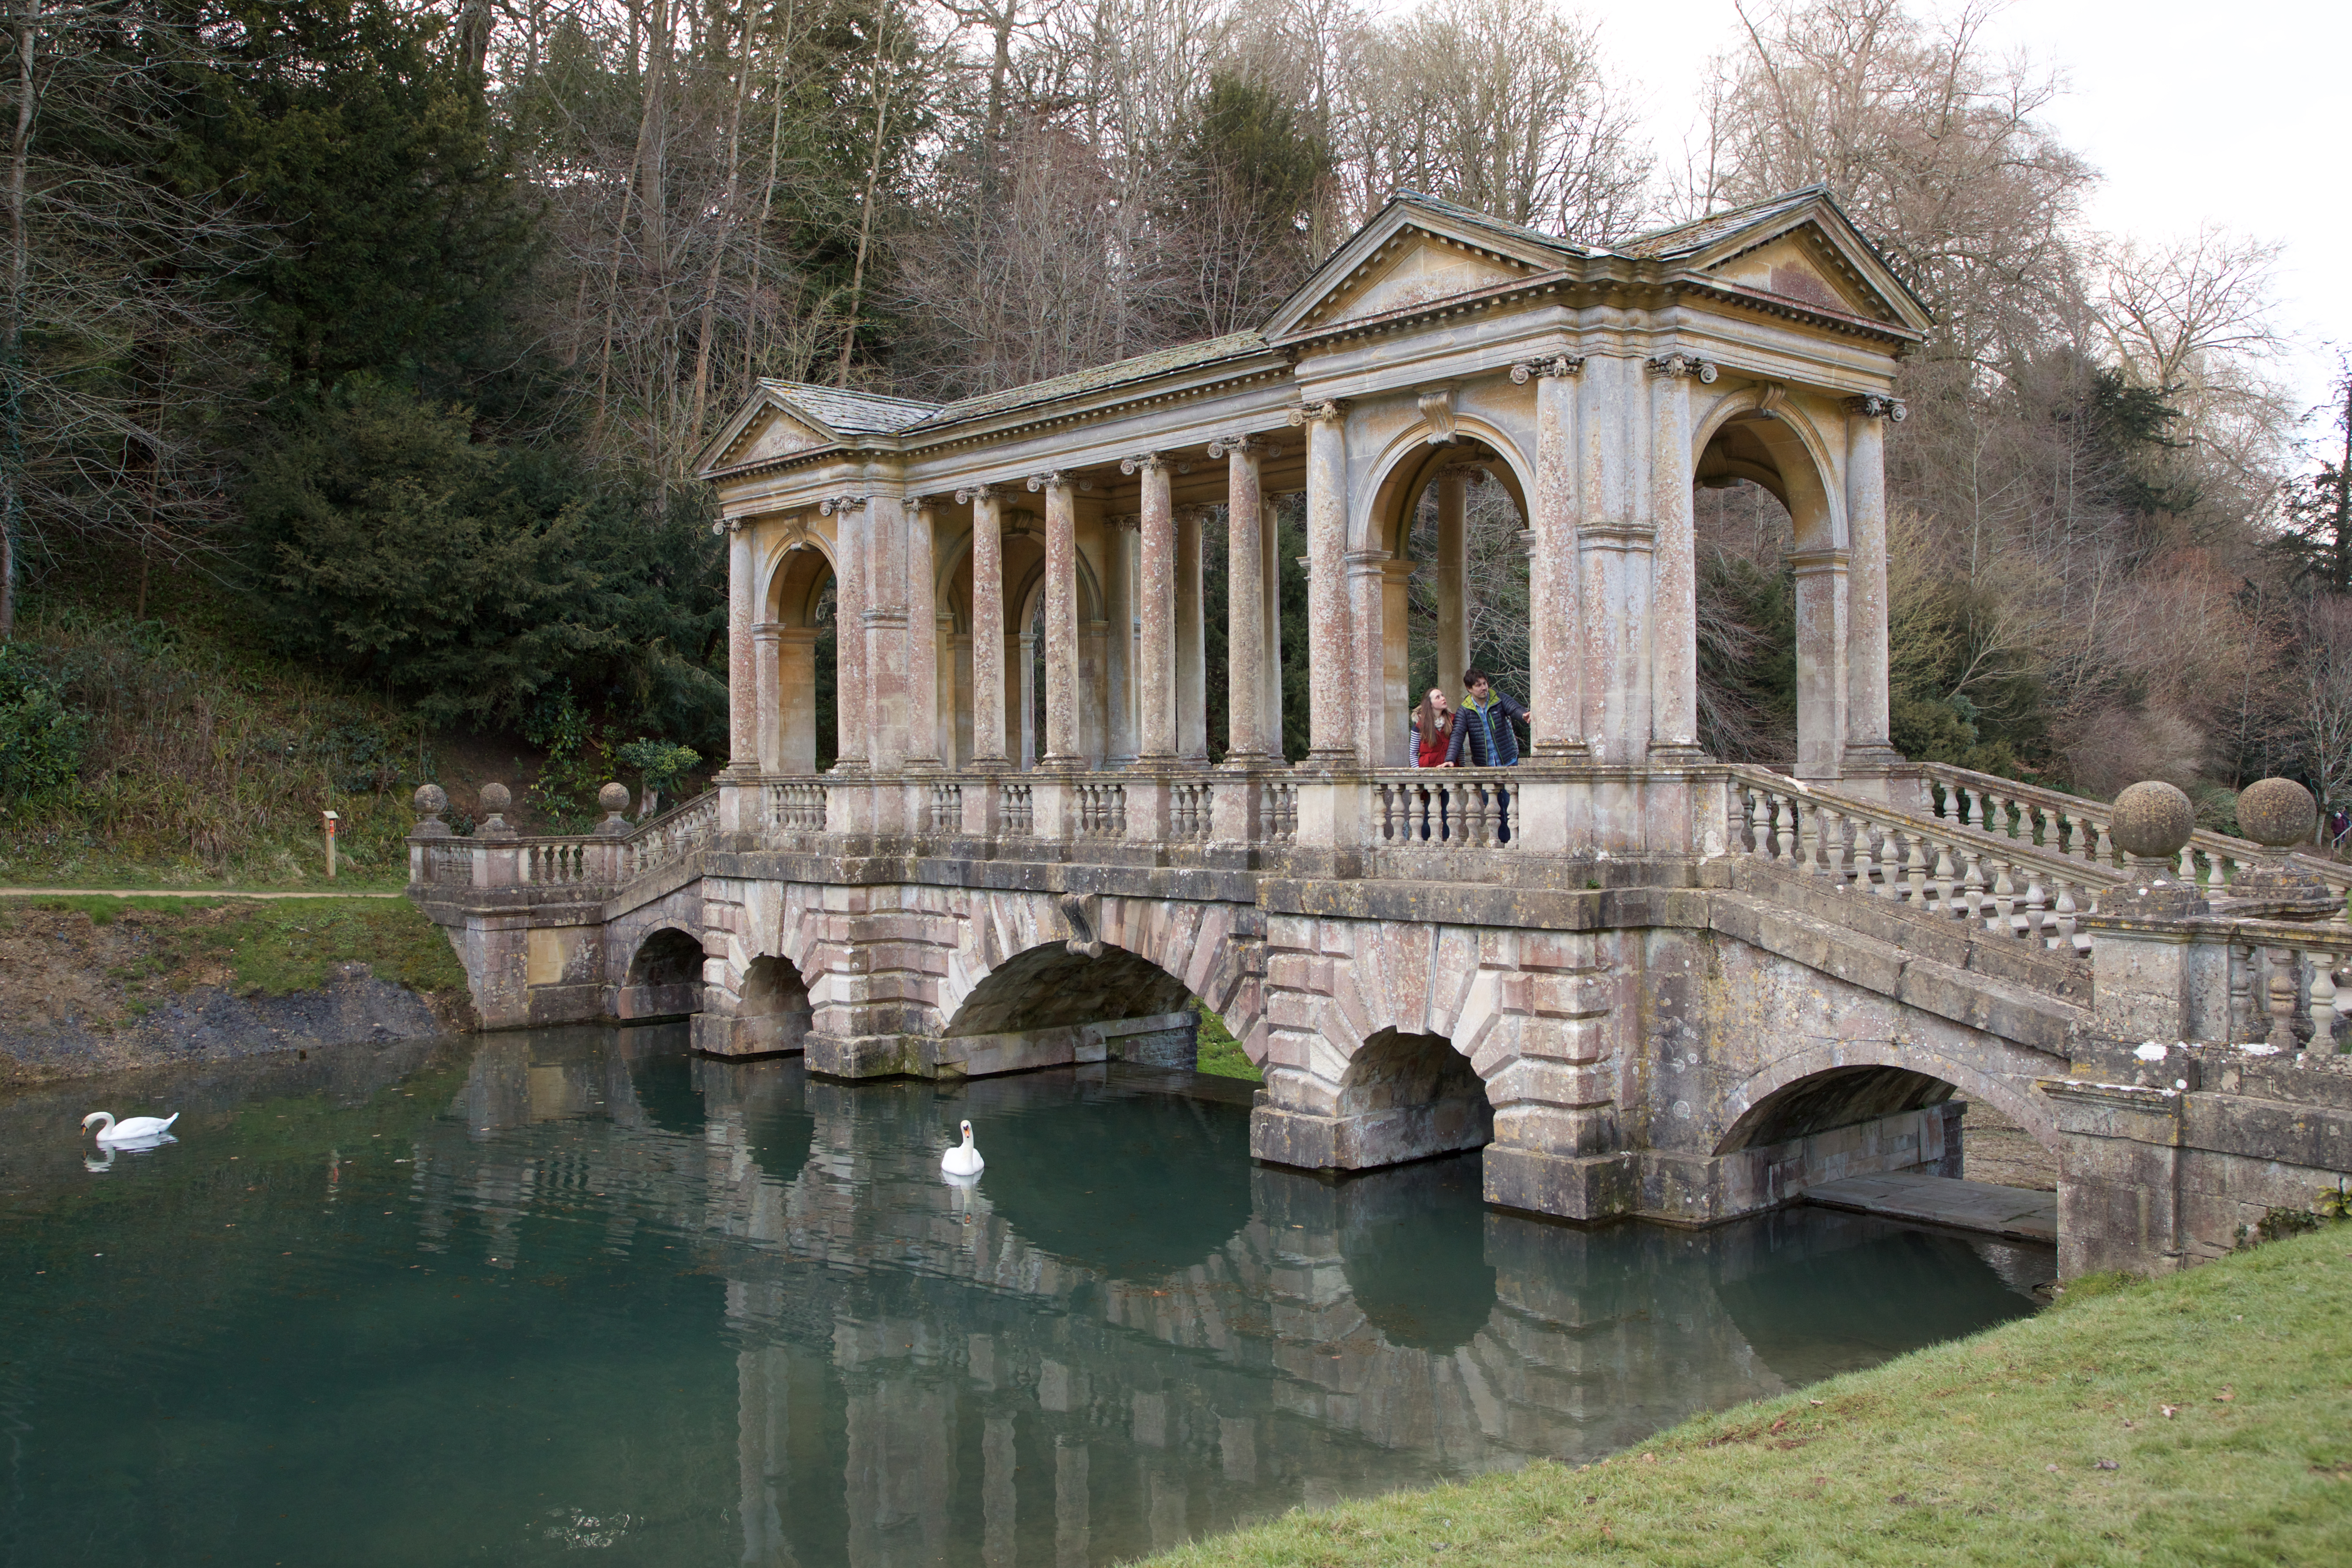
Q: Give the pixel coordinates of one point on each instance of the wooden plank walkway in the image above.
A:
(2020, 1214)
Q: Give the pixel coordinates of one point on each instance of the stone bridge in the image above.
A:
(1645, 982)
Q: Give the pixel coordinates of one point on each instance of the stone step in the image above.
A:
(2019, 1214)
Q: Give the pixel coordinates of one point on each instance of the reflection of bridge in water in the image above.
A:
(1027, 1371)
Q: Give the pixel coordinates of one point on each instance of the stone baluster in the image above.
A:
(1831, 829)
(1784, 827)
(2064, 914)
(2323, 998)
(1864, 831)
(2004, 900)
(2243, 960)
(1915, 865)
(1759, 823)
(1809, 836)
(2036, 907)
(2280, 995)
(1944, 876)
(1972, 884)
(1890, 864)
(2106, 854)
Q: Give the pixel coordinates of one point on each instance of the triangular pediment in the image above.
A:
(1415, 252)
(779, 435)
(768, 425)
(1801, 247)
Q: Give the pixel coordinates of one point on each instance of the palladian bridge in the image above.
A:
(1645, 982)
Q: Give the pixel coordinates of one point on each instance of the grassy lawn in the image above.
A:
(2203, 1418)
(271, 946)
(1219, 1052)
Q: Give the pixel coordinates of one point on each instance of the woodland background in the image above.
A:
(354, 357)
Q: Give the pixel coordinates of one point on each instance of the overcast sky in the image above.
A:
(2193, 112)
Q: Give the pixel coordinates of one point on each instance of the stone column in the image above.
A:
(1246, 743)
(1331, 742)
(987, 726)
(1368, 658)
(1555, 603)
(890, 722)
(1191, 643)
(796, 681)
(1613, 541)
(1821, 585)
(1270, 578)
(1155, 664)
(852, 701)
(1023, 651)
(1452, 570)
(1674, 612)
(1392, 737)
(1119, 540)
(1062, 737)
(1869, 743)
(767, 647)
(743, 680)
(922, 638)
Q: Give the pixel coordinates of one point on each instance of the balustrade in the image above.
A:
(1016, 808)
(552, 862)
(1101, 808)
(1278, 820)
(1447, 809)
(943, 806)
(2285, 985)
(793, 805)
(1188, 809)
(1964, 872)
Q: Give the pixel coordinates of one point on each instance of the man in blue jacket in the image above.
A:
(1484, 736)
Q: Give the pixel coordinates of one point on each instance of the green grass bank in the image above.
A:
(2202, 1418)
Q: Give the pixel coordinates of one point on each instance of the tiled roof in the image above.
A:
(1471, 216)
(853, 412)
(1688, 238)
(1142, 367)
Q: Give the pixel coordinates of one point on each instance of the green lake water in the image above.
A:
(508, 1299)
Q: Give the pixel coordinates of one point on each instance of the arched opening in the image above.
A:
(1863, 1119)
(664, 979)
(1029, 686)
(1456, 595)
(1411, 1095)
(803, 722)
(1773, 598)
(1050, 1005)
(771, 1016)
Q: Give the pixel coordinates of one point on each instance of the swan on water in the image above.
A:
(962, 1160)
(137, 1129)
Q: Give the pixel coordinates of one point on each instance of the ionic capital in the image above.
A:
(833, 504)
(1680, 365)
(1873, 406)
(1054, 479)
(1228, 446)
(1330, 411)
(971, 493)
(1142, 462)
(728, 524)
(1558, 364)
(1127, 521)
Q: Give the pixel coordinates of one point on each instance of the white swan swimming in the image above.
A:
(137, 1129)
(962, 1160)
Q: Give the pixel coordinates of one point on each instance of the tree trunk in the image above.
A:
(11, 321)
(725, 234)
(865, 212)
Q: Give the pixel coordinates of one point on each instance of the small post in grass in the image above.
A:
(332, 820)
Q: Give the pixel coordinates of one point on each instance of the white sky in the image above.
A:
(2193, 111)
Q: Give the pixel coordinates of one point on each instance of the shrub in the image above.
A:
(40, 736)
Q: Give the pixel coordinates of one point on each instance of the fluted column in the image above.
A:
(742, 679)
(1673, 614)
(1328, 686)
(1155, 664)
(1246, 740)
(1062, 737)
(1453, 563)
(1868, 742)
(922, 637)
(988, 727)
(852, 701)
(1555, 600)
(1191, 643)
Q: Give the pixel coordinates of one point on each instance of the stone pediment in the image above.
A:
(1417, 252)
(777, 436)
(1806, 269)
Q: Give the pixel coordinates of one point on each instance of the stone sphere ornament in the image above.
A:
(496, 798)
(2277, 813)
(430, 800)
(613, 798)
(2152, 820)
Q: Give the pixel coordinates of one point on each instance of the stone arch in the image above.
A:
(1408, 462)
(1756, 433)
(1853, 1076)
(664, 977)
(765, 1011)
(1194, 946)
(795, 581)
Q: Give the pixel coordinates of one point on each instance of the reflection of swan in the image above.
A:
(101, 1161)
(138, 1130)
(964, 1160)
